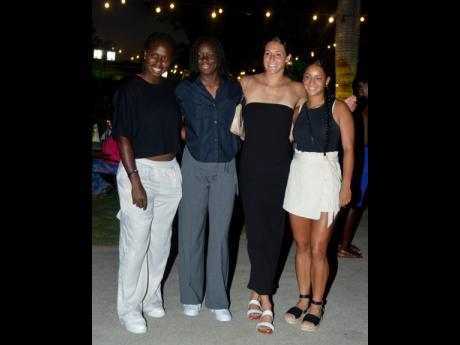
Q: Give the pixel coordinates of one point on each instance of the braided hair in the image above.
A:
(220, 55)
(327, 100)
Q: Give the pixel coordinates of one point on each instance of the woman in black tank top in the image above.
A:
(316, 190)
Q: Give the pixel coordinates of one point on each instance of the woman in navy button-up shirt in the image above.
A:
(207, 101)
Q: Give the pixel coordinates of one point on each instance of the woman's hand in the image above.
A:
(138, 192)
(344, 196)
(351, 102)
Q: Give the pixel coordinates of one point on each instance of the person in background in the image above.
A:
(359, 181)
(146, 125)
(207, 100)
(316, 188)
(107, 164)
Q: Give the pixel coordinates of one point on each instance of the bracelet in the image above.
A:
(133, 172)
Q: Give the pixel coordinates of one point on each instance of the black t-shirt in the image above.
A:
(149, 116)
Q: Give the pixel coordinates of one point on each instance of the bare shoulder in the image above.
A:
(247, 79)
(341, 110)
(341, 106)
(297, 87)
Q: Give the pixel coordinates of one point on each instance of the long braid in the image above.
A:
(328, 117)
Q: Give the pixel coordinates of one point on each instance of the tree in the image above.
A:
(347, 45)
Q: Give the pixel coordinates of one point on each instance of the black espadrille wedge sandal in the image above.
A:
(296, 311)
(311, 322)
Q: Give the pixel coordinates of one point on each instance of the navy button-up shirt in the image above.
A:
(208, 119)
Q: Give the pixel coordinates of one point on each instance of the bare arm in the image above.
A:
(347, 133)
(301, 99)
(127, 157)
(182, 129)
(244, 82)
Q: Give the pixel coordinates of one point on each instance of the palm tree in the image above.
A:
(347, 45)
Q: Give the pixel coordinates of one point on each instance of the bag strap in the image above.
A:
(243, 99)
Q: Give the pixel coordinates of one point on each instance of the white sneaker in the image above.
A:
(222, 314)
(192, 309)
(156, 312)
(135, 325)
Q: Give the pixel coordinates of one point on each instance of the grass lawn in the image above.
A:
(105, 225)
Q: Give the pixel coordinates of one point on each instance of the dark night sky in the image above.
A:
(242, 27)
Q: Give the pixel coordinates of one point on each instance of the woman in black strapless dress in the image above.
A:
(264, 168)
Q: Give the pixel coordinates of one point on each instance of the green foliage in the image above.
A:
(296, 70)
(105, 225)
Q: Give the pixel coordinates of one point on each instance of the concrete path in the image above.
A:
(345, 320)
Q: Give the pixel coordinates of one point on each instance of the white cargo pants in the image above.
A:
(145, 235)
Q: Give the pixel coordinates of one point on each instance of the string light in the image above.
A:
(107, 4)
(137, 56)
(312, 54)
(336, 85)
(328, 46)
(243, 73)
(334, 44)
(296, 58)
(268, 13)
(253, 70)
(132, 58)
(120, 51)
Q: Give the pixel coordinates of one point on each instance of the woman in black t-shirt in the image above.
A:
(146, 125)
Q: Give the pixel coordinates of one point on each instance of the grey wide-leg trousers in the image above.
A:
(206, 188)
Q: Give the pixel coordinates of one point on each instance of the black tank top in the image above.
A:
(310, 130)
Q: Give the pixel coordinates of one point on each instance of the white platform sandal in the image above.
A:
(268, 326)
(251, 312)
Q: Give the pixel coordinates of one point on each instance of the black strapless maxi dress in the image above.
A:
(263, 175)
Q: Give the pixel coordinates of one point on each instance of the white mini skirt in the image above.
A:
(313, 185)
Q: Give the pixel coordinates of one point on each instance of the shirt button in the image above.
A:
(215, 121)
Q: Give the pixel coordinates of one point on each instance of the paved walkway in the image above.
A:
(345, 320)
